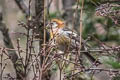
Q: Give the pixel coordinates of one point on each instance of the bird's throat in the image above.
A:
(53, 33)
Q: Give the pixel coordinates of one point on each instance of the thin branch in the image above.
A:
(23, 7)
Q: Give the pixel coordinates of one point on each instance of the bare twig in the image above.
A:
(23, 7)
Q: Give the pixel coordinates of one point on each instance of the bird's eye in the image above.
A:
(51, 23)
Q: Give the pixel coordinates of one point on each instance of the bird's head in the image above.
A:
(55, 24)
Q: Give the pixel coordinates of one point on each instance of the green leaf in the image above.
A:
(114, 64)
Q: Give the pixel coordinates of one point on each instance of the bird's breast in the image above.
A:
(62, 40)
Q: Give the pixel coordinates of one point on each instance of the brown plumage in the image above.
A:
(65, 38)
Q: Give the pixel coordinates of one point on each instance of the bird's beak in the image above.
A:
(48, 26)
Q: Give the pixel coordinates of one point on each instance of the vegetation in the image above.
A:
(34, 57)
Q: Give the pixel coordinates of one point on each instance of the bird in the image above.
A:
(65, 38)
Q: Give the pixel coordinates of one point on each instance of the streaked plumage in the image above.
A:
(65, 38)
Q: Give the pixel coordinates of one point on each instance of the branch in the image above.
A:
(11, 53)
(23, 7)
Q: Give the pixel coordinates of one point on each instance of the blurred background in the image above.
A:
(101, 21)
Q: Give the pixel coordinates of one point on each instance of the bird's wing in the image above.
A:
(75, 42)
(73, 36)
